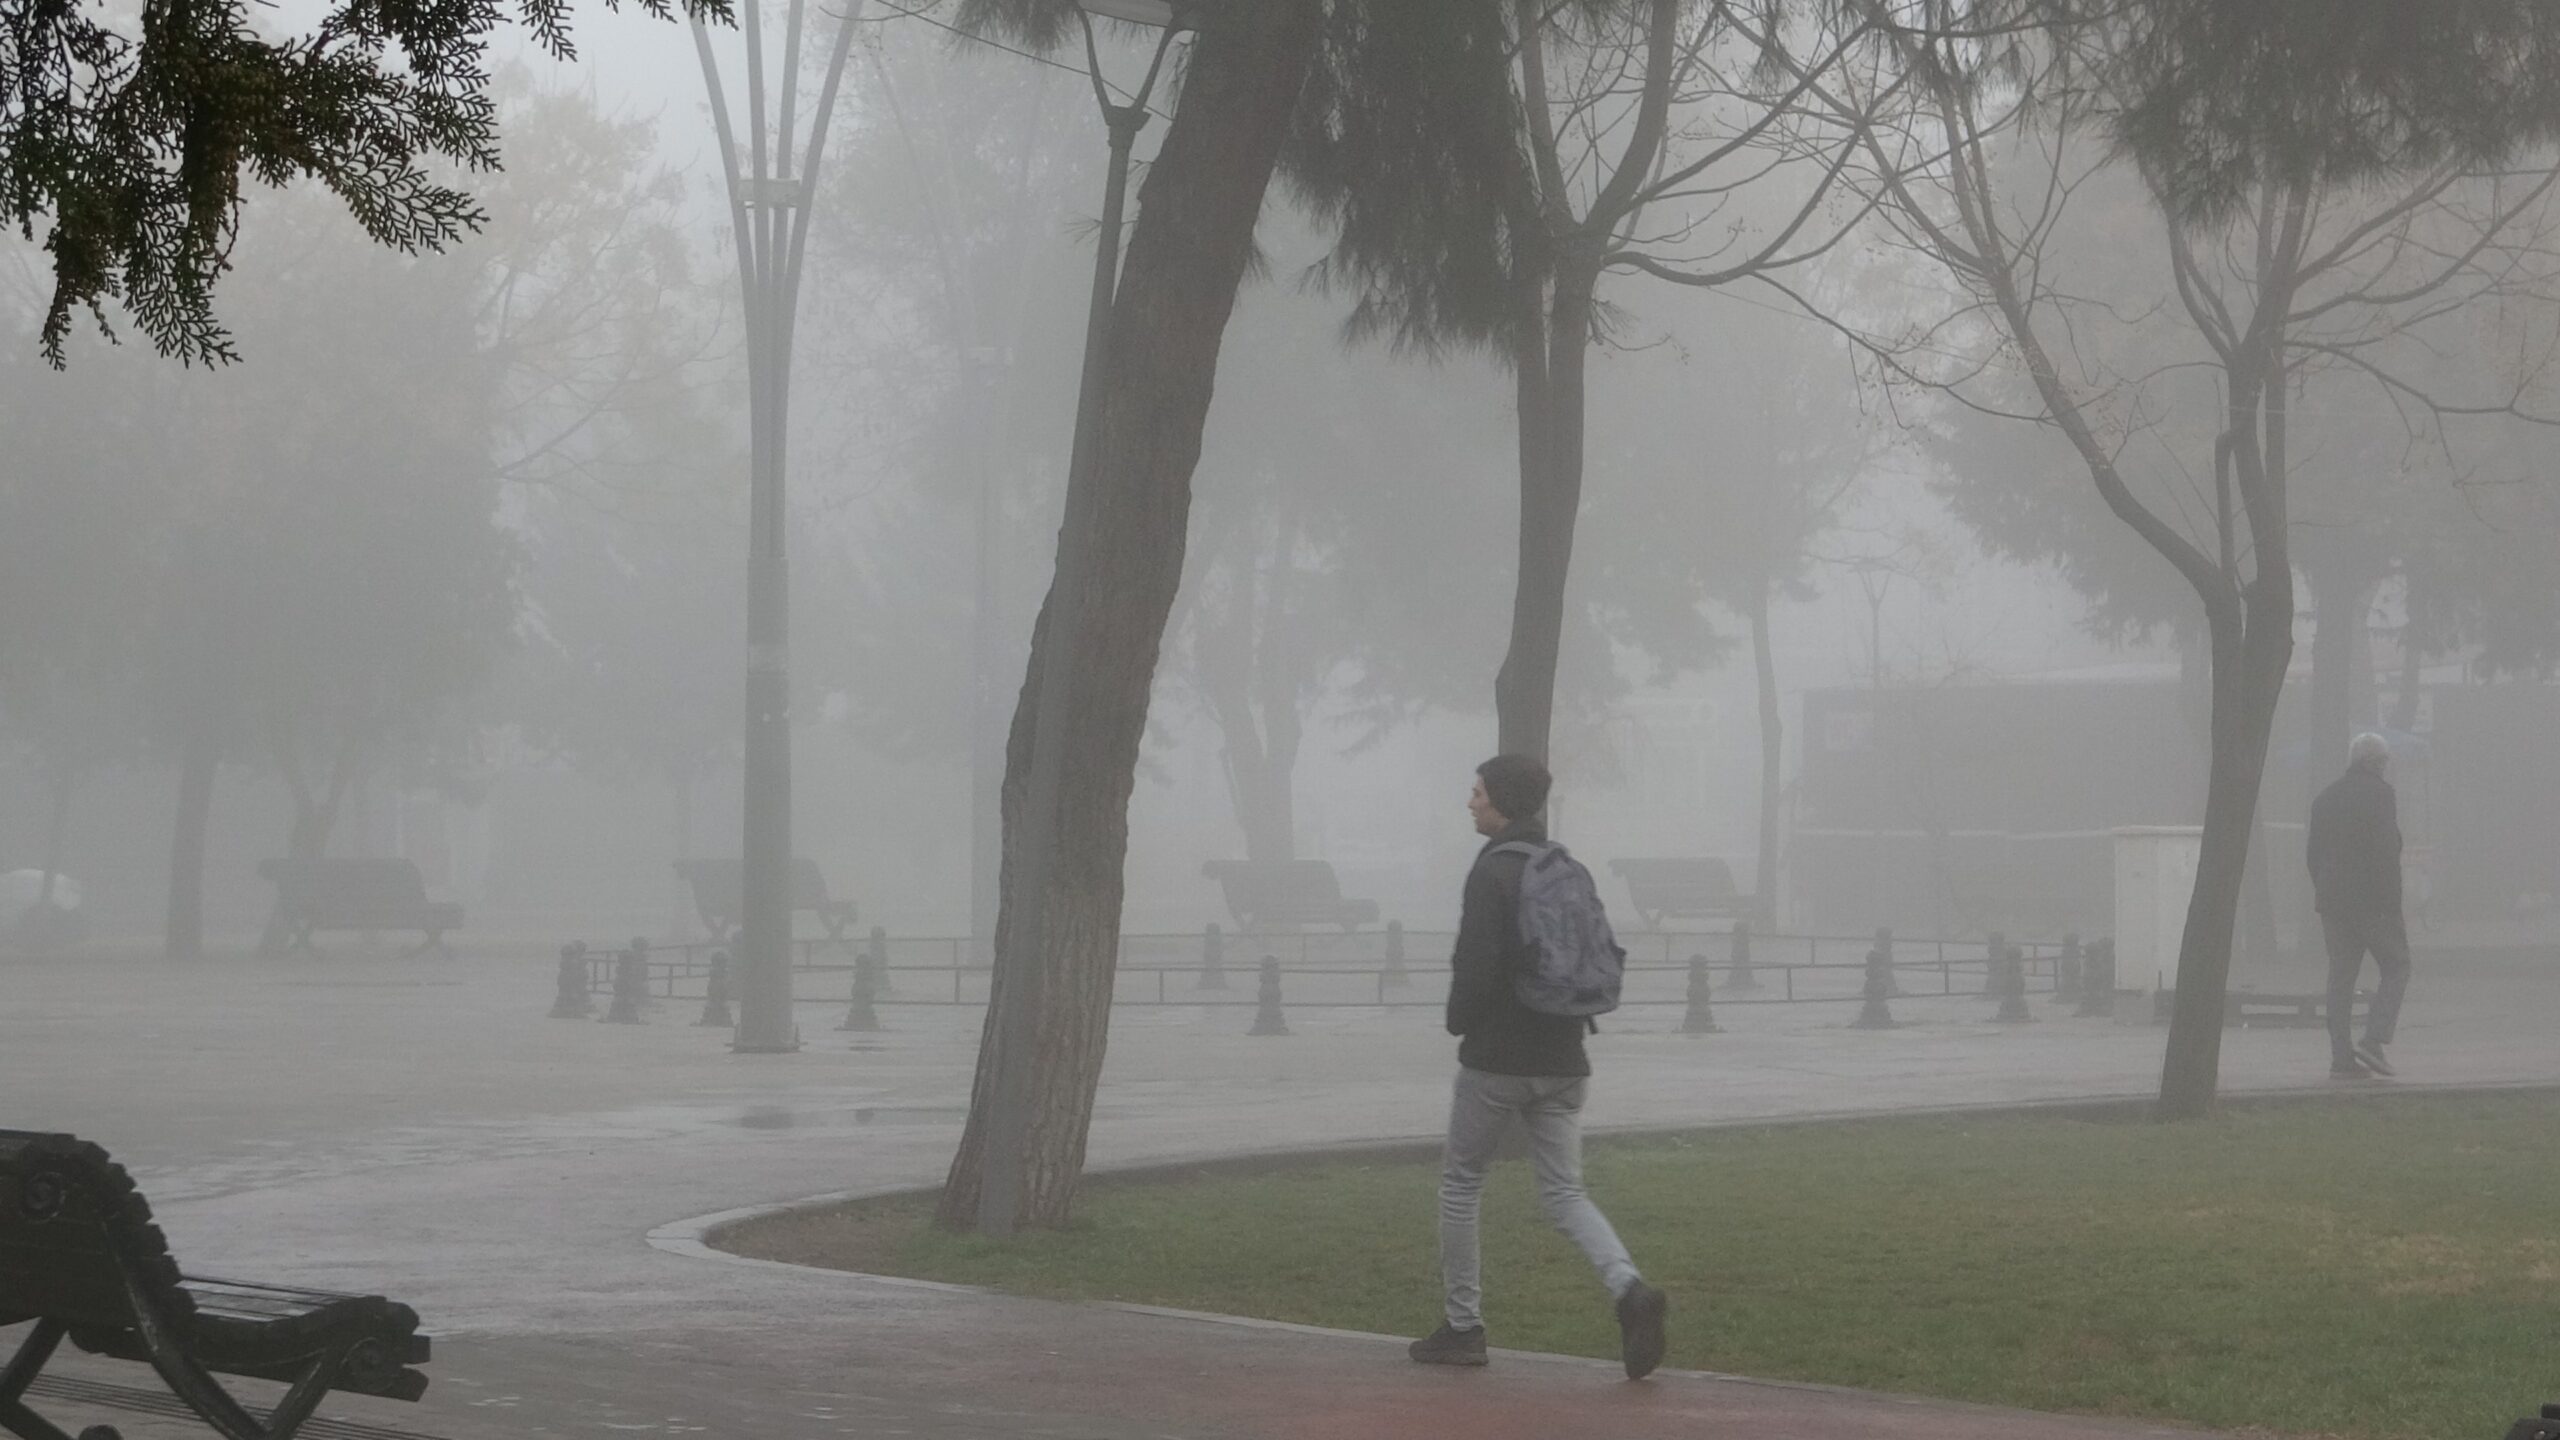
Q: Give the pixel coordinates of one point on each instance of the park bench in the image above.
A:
(719, 896)
(355, 893)
(81, 1260)
(1263, 895)
(2260, 1010)
(1699, 888)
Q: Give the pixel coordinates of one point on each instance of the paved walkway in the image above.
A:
(422, 1130)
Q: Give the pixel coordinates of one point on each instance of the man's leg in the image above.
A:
(1554, 1117)
(1479, 1106)
(2346, 955)
(2389, 938)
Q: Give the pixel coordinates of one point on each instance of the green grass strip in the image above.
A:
(2388, 1268)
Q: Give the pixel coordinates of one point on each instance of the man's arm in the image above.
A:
(1477, 961)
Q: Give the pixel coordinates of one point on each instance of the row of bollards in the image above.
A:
(2008, 980)
(1700, 1017)
(2083, 976)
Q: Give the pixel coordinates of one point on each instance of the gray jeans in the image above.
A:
(1481, 1107)
(2350, 937)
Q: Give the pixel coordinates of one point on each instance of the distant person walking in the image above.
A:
(2354, 850)
(1525, 1063)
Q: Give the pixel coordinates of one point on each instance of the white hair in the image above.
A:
(2368, 749)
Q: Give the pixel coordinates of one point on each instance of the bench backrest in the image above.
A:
(351, 888)
(71, 1228)
(1699, 882)
(1277, 884)
(720, 885)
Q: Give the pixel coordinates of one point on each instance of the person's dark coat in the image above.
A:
(2354, 846)
(1498, 1034)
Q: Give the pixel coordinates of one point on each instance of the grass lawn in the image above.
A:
(2384, 1267)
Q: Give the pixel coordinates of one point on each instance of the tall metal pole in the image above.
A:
(769, 217)
(1020, 964)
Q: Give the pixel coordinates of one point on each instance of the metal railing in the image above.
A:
(1368, 970)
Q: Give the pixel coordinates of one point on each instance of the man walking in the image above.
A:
(1515, 1062)
(2354, 850)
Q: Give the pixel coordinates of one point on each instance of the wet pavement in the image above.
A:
(420, 1129)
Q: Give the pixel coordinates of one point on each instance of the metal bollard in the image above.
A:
(715, 994)
(2066, 970)
(2013, 987)
(1267, 1019)
(2098, 980)
(1740, 976)
(860, 1015)
(1877, 1011)
(1394, 973)
(877, 957)
(571, 1001)
(1701, 1016)
(630, 985)
(1213, 958)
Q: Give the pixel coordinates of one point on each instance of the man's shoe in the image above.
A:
(2349, 1068)
(1640, 1338)
(1449, 1345)
(2370, 1052)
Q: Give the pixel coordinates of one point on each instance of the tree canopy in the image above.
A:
(130, 149)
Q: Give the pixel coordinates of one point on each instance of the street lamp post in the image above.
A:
(1020, 960)
(769, 213)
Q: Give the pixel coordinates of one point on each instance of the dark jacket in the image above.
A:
(1497, 1033)
(2354, 846)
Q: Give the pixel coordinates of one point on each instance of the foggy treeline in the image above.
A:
(450, 563)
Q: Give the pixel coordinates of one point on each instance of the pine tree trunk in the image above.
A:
(1551, 388)
(184, 932)
(1187, 255)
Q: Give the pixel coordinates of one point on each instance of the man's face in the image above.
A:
(1489, 821)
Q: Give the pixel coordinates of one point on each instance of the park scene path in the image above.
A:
(422, 1130)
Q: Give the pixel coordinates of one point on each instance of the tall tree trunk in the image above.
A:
(2413, 654)
(680, 908)
(987, 728)
(1551, 388)
(2344, 576)
(1266, 791)
(1764, 902)
(1120, 552)
(315, 815)
(2251, 652)
(184, 932)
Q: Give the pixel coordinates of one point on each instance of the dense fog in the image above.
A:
(451, 564)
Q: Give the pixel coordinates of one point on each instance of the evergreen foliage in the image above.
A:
(2223, 97)
(131, 149)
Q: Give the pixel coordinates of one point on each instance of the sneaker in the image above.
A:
(1449, 1345)
(1640, 1338)
(2349, 1068)
(2370, 1053)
